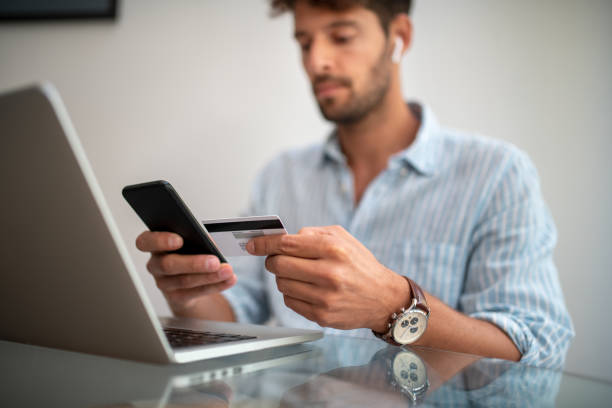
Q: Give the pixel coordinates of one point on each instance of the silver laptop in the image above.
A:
(67, 280)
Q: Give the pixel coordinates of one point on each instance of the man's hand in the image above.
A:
(183, 279)
(329, 277)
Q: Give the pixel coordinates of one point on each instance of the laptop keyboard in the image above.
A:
(187, 338)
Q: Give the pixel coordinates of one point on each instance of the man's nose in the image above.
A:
(319, 59)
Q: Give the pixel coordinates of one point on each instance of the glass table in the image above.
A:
(336, 371)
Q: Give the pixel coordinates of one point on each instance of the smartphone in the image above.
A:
(161, 209)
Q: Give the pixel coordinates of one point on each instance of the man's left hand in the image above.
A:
(329, 277)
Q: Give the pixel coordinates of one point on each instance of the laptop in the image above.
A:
(67, 280)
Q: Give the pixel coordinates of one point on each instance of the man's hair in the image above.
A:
(386, 10)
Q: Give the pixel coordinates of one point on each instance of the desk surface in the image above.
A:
(335, 371)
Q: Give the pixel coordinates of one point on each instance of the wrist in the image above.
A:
(399, 296)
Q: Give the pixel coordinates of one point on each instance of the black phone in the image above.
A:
(161, 208)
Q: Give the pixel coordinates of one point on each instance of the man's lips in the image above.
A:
(324, 89)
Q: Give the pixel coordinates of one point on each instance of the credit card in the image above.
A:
(231, 235)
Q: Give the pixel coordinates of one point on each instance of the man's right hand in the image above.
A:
(183, 279)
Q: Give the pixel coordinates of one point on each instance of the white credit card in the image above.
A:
(231, 235)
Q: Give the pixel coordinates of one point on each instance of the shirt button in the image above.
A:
(403, 171)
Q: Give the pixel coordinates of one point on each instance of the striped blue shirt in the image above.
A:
(460, 214)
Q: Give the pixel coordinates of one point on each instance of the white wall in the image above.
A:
(192, 90)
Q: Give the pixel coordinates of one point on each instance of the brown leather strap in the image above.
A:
(386, 337)
(418, 294)
(421, 303)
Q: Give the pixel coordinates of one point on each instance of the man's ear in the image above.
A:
(400, 30)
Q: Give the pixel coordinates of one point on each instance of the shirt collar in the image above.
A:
(422, 154)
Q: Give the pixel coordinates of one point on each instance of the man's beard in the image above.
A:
(358, 106)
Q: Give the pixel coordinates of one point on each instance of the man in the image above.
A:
(396, 196)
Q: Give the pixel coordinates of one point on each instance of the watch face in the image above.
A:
(410, 372)
(410, 326)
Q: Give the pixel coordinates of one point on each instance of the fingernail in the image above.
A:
(225, 273)
(174, 241)
(212, 263)
(250, 247)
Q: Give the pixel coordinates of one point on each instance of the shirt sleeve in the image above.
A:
(248, 297)
(511, 279)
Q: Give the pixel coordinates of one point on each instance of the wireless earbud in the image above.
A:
(396, 57)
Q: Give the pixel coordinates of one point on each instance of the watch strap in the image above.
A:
(417, 293)
(418, 301)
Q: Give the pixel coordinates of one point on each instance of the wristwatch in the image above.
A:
(409, 324)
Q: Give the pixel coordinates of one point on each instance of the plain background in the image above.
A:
(203, 93)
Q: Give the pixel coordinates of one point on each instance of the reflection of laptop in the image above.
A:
(67, 279)
(101, 382)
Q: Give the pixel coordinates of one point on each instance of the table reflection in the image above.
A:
(216, 394)
(425, 377)
(376, 375)
(336, 371)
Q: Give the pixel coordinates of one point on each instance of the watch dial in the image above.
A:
(410, 326)
(409, 371)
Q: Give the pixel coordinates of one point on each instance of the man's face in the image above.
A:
(347, 58)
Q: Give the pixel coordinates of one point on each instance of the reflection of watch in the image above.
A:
(406, 372)
(408, 326)
(409, 374)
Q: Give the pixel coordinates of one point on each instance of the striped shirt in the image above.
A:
(460, 214)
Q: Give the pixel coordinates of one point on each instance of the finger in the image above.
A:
(176, 264)
(193, 280)
(300, 269)
(182, 296)
(303, 291)
(300, 307)
(150, 241)
(304, 246)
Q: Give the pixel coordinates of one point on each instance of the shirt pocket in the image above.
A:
(438, 268)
